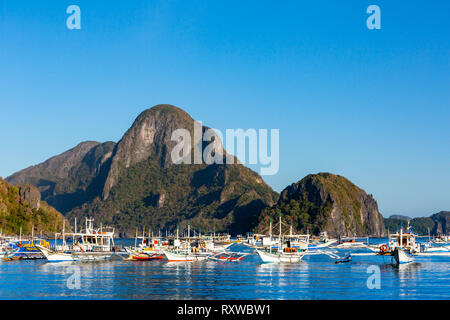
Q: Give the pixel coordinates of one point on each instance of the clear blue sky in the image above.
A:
(372, 105)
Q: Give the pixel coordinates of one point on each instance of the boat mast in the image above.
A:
(95, 232)
(178, 230)
(270, 235)
(290, 230)
(150, 232)
(401, 237)
(189, 233)
(279, 237)
(63, 234)
(135, 240)
(73, 237)
(112, 236)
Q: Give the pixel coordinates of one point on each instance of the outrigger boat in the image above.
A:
(90, 245)
(221, 241)
(290, 249)
(441, 239)
(26, 250)
(185, 252)
(351, 242)
(14, 249)
(148, 249)
(401, 246)
(139, 257)
(401, 257)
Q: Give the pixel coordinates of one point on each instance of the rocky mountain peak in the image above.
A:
(329, 202)
(149, 138)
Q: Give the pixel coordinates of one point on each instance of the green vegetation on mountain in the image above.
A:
(21, 207)
(210, 197)
(135, 183)
(438, 223)
(326, 202)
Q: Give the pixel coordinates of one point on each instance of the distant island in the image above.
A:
(133, 183)
(436, 224)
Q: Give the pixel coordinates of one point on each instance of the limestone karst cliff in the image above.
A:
(327, 202)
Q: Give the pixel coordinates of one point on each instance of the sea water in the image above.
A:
(315, 277)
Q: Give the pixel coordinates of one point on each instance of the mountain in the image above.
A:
(438, 223)
(442, 222)
(135, 183)
(71, 178)
(21, 206)
(326, 202)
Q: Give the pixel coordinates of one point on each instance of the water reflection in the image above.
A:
(55, 266)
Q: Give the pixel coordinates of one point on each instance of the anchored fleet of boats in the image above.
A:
(93, 244)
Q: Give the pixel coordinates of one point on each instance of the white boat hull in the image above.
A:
(280, 257)
(401, 257)
(173, 256)
(443, 249)
(53, 256)
(59, 257)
